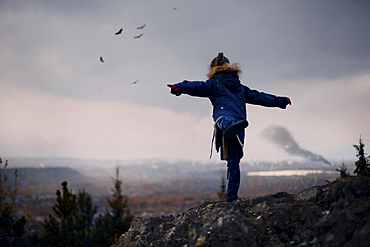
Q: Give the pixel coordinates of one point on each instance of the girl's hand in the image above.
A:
(174, 89)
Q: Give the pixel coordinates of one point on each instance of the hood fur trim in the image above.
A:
(224, 67)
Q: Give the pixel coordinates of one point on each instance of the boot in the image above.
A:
(235, 129)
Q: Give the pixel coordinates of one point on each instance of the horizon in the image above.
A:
(171, 161)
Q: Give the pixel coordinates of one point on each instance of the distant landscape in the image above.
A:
(156, 187)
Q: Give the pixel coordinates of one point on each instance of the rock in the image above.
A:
(335, 214)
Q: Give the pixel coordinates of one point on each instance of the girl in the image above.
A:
(228, 97)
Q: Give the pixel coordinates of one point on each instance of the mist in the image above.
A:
(283, 139)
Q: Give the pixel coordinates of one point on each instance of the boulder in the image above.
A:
(335, 214)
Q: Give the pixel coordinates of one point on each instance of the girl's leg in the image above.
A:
(234, 154)
(231, 126)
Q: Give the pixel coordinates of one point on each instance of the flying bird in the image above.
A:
(101, 59)
(134, 82)
(136, 37)
(174, 8)
(119, 32)
(141, 26)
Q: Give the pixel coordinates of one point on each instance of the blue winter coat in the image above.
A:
(227, 95)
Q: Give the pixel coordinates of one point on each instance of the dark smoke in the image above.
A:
(283, 139)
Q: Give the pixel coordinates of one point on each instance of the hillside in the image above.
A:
(43, 181)
(335, 214)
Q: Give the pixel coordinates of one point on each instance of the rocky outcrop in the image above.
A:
(335, 214)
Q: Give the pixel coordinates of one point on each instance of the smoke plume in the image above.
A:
(283, 139)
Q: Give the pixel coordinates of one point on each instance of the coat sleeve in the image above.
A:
(195, 88)
(264, 99)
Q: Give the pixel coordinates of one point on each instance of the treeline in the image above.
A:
(74, 221)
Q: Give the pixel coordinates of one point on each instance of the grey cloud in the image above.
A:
(311, 39)
(281, 40)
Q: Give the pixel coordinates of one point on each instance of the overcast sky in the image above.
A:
(58, 100)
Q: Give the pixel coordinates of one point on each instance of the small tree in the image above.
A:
(343, 171)
(222, 193)
(117, 220)
(73, 224)
(362, 164)
(11, 205)
(60, 232)
(120, 211)
(85, 215)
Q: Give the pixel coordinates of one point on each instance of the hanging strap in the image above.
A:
(214, 133)
(213, 138)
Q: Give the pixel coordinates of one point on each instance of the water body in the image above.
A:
(288, 173)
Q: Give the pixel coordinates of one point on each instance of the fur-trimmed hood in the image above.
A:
(225, 67)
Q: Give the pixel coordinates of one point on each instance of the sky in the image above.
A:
(58, 100)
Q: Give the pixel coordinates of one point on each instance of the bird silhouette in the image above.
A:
(101, 59)
(174, 8)
(134, 82)
(136, 37)
(141, 26)
(119, 32)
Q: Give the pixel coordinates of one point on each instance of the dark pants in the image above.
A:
(234, 154)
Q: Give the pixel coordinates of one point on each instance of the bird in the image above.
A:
(174, 8)
(136, 37)
(134, 82)
(141, 26)
(101, 59)
(119, 32)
